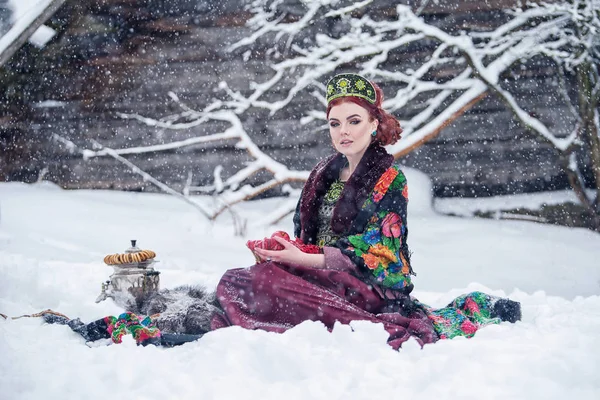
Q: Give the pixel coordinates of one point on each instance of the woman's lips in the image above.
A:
(345, 143)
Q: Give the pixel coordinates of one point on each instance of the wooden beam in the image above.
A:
(30, 30)
(439, 128)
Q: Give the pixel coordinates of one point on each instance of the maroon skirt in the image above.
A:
(275, 297)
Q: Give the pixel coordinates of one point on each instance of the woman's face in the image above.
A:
(350, 129)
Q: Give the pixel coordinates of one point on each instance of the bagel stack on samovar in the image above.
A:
(133, 277)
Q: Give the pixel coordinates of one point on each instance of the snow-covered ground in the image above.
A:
(51, 247)
(468, 206)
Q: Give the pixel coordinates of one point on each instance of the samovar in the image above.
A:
(133, 278)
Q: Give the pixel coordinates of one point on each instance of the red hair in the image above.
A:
(388, 130)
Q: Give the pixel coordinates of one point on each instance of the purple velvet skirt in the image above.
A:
(276, 297)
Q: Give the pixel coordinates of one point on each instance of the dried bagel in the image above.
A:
(129, 258)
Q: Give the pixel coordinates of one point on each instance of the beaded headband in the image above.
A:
(344, 85)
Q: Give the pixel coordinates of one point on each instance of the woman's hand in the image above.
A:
(291, 255)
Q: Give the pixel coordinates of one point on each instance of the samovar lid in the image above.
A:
(133, 248)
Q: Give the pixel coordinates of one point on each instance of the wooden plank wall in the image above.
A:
(125, 56)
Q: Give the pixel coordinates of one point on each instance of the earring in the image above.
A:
(374, 133)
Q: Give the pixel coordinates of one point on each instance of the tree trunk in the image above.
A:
(589, 135)
(589, 129)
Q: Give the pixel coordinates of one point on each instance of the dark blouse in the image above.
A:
(325, 235)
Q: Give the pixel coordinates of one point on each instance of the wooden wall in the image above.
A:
(125, 56)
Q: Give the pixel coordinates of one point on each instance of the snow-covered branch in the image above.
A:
(451, 73)
(228, 134)
(485, 56)
(232, 190)
(226, 193)
(73, 148)
(460, 68)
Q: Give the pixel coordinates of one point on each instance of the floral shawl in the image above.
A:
(370, 217)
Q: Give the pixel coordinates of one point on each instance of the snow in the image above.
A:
(466, 206)
(52, 243)
(41, 36)
(234, 188)
(24, 13)
(50, 104)
(365, 41)
(22, 8)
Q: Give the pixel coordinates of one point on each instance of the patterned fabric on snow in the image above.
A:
(464, 316)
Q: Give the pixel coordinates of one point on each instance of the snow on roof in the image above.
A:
(27, 22)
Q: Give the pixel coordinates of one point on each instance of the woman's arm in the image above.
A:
(291, 255)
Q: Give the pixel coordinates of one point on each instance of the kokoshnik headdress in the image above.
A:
(344, 85)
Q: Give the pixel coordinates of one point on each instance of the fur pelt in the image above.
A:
(184, 309)
(373, 164)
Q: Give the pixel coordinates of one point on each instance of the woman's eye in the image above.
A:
(355, 121)
(334, 124)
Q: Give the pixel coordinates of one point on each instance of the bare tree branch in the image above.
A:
(147, 177)
(458, 72)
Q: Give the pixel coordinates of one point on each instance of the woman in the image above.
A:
(353, 207)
